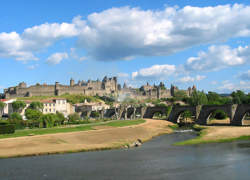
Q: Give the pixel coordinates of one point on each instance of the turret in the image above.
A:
(125, 86)
(22, 85)
(72, 82)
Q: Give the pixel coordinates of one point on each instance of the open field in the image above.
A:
(107, 138)
(86, 127)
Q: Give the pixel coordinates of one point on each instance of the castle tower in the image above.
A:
(158, 92)
(173, 89)
(115, 81)
(72, 82)
(125, 86)
(22, 85)
(189, 91)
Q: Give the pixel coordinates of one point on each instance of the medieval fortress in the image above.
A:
(106, 87)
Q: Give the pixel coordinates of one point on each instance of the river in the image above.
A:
(157, 159)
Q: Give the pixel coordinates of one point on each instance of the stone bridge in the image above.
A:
(236, 113)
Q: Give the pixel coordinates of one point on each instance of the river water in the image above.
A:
(154, 160)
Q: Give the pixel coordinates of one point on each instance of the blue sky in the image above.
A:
(205, 43)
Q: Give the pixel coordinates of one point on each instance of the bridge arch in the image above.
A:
(109, 113)
(240, 114)
(207, 110)
(150, 111)
(178, 110)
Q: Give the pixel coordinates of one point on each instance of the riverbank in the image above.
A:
(101, 138)
(216, 134)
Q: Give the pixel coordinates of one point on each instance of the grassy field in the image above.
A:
(41, 131)
(201, 140)
(125, 123)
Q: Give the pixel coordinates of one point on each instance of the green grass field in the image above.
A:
(198, 140)
(125, 123)
(87, 127)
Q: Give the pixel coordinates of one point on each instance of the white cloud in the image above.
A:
(56, 58)
(23, 46)
(155, 71)
(121, 33)
(124, 33)
(218, 57)
(245, 76)
(11, 46)
(228, 86)
(188, 79)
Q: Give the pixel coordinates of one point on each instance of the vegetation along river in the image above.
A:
(156, 159)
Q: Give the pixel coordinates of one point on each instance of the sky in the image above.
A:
(185, 43)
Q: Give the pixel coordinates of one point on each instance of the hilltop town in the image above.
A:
(106, 87)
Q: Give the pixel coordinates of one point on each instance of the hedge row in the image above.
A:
(7, 129)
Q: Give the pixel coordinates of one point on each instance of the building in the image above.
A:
(90, 106)
(52, 106)
(8, 107)
(105, 87)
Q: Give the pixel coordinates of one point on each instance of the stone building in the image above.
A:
(104, 87)
(52, 106)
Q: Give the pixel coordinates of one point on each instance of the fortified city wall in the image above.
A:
(106, 87)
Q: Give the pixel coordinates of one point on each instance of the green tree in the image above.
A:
(18, 106)
(73, 117)
(16, 118)
(32, 114)
(198, 98)
(2, 105)
(36, 105)
(213, 98)
(186, 115)
(48, 120)
(60, 118)
(218, 114)
(95, 114)
(180, 95)
(239, 97)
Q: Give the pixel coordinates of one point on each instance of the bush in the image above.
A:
(48, 120)
(218, 114)
(3, 122)
(95, 114)
(7, 129)
(17, 120)
(74, 117)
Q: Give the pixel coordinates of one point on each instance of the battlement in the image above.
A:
(107, 86)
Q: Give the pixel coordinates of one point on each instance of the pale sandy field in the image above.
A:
(101, 138)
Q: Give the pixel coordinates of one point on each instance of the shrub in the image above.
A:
(18, 106)
(95, 114)
(48, 120)
(17, 120)
(3, 122)
(74, 117)
(218, 114)
(7, 129)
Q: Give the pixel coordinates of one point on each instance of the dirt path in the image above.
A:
(106, 138)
